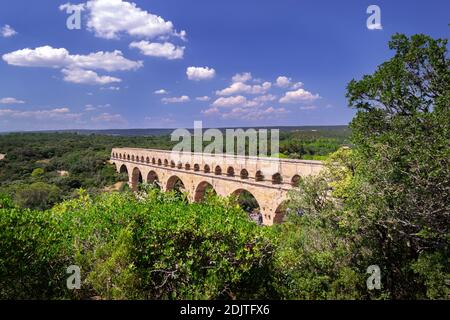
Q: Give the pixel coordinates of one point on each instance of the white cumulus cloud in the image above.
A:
(7, 31)
(87, 77)
(265, 98)
(50, 57)
(109, 61)
(200, 73)
(10, 100)
(160, 91)
(45, 56)
(242, 77)
(75, 68)
(163, 50)
(299, 95)
(241, 87)
(110, 18)
(285, 82)
(233, 102)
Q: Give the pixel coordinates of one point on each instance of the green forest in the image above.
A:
(382, 199)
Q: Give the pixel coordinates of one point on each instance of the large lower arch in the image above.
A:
(152, 178)
(176, 184)
(136, 178)
(124, 175)
(123, 169)
(202, 189)
(281, 212)
(248, 202)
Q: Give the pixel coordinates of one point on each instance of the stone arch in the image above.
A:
(128, 157)
(218, 171)
(132, 157)
(248, 202)
(152, 177)
(153, 161)
(159, 162)
(196, 167)
(259, 176)
(295, 180)
(201, 190)
(142, 159)
(281, 211)
(180, 165)
(175, 183)
(136, 178)
(172, 164)
(147, 160)
(125, 176)
(123, 169)
(166, 163)
(187, 166)
(277, 178)
(240, 191)
(120, 156)
(206, 168)
(244, 174)
(230, 172)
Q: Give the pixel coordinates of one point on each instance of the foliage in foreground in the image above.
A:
(386, 201)
(401, 186)
(152, 247)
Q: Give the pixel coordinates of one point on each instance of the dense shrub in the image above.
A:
(153, 246)
(38, 195)
(33, 254)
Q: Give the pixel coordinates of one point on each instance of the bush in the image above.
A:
(315, 257)
(150, 246)
(38, 195)
(33, 254)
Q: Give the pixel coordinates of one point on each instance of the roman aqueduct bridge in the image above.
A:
(267, 179)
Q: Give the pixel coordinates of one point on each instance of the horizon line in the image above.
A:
(203, 128)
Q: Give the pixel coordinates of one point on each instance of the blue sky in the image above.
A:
(166, 63)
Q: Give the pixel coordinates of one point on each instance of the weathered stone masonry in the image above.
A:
(267, 179)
